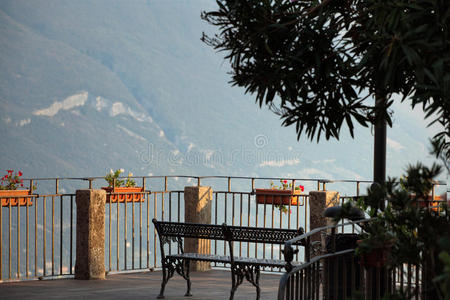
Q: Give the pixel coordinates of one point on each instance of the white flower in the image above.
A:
(130, 174)
(121, 170)
(111, 171)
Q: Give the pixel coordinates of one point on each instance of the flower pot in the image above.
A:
(120, 194)
(423, 203)
(277, 197)
(16, 197)
(377, 258)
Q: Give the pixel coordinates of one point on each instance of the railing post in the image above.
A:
(357, 188)
(197, 203)
(318, 202)
(90, 238)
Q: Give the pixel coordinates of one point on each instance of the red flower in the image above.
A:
(20, 173)
(21, 184)
(302, 188)
(9, 171)
(285, 181)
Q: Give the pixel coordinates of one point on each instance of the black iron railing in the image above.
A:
(338, 273)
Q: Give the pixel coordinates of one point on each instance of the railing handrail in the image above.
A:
(319, 229)
(218, 177)
(285, 277)
(289, 251)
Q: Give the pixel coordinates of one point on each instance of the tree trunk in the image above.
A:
(379, 158)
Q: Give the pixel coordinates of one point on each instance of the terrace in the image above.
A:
(38, 241)
(214, 284)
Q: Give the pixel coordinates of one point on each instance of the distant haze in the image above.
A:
(86, 86)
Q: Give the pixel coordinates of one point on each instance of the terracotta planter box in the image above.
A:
(375, 259)
(115, 194)
(15, 197)
(277, 197)
(423, 203)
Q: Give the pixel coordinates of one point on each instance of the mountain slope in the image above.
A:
(92, 85)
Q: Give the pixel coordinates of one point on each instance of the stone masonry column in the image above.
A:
(318, 202)
(90, 253)
(197, 209)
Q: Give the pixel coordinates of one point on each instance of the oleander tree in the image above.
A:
(327, 64)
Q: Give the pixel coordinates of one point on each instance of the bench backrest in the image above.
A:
(228, 233)
(189, 230)
(261, 235)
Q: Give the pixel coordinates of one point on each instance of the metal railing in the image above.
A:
(38, 241)
(35, 235)
(338, 273)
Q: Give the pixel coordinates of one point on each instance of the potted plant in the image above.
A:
(375, 244)
(404, 232)
(280, 196)
(122, 190)
(10, 193)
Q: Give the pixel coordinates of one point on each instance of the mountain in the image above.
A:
(91, 85)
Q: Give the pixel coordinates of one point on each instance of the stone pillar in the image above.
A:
(197, 209)
(318, 202)
(90, 255)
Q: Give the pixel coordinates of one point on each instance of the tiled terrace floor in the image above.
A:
(209, 285)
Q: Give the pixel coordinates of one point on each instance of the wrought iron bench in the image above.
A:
(241, 267)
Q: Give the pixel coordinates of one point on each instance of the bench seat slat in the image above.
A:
(226, 259)
(201, 257)
(261, 262)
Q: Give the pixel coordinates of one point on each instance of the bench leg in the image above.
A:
(163, 283)
(255, 282)
(188, 279)
(167, 271)
(237, 276)
(252, 275)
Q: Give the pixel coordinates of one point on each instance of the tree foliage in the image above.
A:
(412, 226)
(319, 64)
